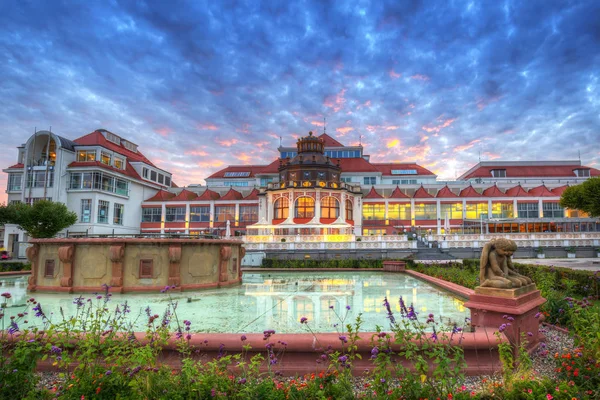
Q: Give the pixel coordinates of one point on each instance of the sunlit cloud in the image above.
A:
(392, 143)
(227, 143)
(467, 146)
(394, 75)
(343, 131)
(437, 128)
(336, 102)
(420, 77)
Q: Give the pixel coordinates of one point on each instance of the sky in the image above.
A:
(202, 85)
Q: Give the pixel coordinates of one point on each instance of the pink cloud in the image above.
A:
(394, 75)
(336, 102)
(491, 156)
(419, 77)
(164, 131)
(317, 123)
(198, 153)
(467, 146)
(344, 130)
(227, 143)
(206, 127)
(436, 128)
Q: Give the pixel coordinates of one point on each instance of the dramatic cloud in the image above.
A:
(219, 83)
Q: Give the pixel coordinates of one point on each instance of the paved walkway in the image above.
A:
(589, 264)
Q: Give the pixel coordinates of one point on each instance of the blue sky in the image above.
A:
(202, 85)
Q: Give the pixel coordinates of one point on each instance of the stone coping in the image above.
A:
(260, 269)
(133, 241)
(15, 273)
(454, 288)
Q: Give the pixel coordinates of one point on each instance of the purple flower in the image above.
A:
(243, 338)
(98, 297)
(348, 308)
(38, 311)
(55, 350)
(382, 334)
(303, 320)
(213, 392)
(390, 315)
(166, 289)
(538, 314)
(434, 336)
(382, 380)
(374, 352)
(6, 295)
(188, 336)
(529, 334)
(343, 339)
(107, 373)
(411, 314)
(510, 319)
(242, 381)
(331, 307)
(78, 301)
(13, 328)
(502, 328)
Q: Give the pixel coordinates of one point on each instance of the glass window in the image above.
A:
(346, 179)
(553, 210)
(399, 211)
(14, 181)
(103, 211)
(86, 155)
(121, 187)
(175, 214)
(373, 212)
(330, 208)
(152, 214)
(477, 211)
(224, 213)
(369, 180)
(87, 180)
(145, 173)
(248, 213)
(167, 181)
(200, 214)
(105, 158)
(118, 214)
(119, 163)
(153, 176)
(161, 178)
(349, 211)
(305, 207)
(528, 210)
(502, 210)
(107, 183)
(86, 211)
(304, 308)
(453, 211)
(281, 208)
(425, 211)
(39, 179)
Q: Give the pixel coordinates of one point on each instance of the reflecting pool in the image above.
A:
(274, 300)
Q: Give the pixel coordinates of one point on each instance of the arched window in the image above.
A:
(281, 208)
(330, 208)
(305, 207)
(349, 214)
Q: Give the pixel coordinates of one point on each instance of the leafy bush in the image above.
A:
(8, 266)
(308, 263)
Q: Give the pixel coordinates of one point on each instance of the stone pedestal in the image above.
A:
(489, 306)
(394, 266)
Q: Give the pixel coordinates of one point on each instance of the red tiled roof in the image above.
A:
(541, 191)
(445, 192)
(469, 192)
(232, 195)
(252, 169)
(129, 170)
(558, 191)
(162, 195)
(184, 195)
(493, 191)
(517, 191)
(329, 141)
(208, 195)
(253, 195)
(421, 193)
(272, 168)
(16, 166)
(373, 194)
(356, 164)
(530, 171)
(96, 138)
(386, 169)
(398, 194)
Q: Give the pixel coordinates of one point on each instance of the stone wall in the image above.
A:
(129, 265)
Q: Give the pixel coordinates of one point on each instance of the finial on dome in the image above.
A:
(310, 133)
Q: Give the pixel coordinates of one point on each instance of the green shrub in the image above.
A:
(9, 266)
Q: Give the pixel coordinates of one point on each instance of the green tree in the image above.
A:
(44, 219)
(584, 197)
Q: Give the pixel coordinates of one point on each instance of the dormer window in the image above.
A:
(105, 158)
(86, 155)
(582, 173)
(499, 173)
(119, 163)
(111, 137)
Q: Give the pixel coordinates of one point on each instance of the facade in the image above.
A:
(324, 187)
(100, 176)
(319, 187)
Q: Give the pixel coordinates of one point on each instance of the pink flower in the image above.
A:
(549, 396)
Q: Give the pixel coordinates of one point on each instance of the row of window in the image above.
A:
(157, 177)
(428, 211)
(248, 214)
(15, 182)
(105, 158)
(102, 214)
(99, 181)
(35, 179)
(305, 208)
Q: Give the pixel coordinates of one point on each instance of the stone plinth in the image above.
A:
(394, 266)
(489, 306)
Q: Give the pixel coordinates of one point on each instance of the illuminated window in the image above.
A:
(105, 158)
(502, 210)
(305, 207)
(453, 211)
(373, 211)
(476, 211)
(349, 211)
(281, 208)
(330, 208)
(248, 213)
(119, 163)
(399, 211)
(425, 211)
(224, 213)
(86, 155)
